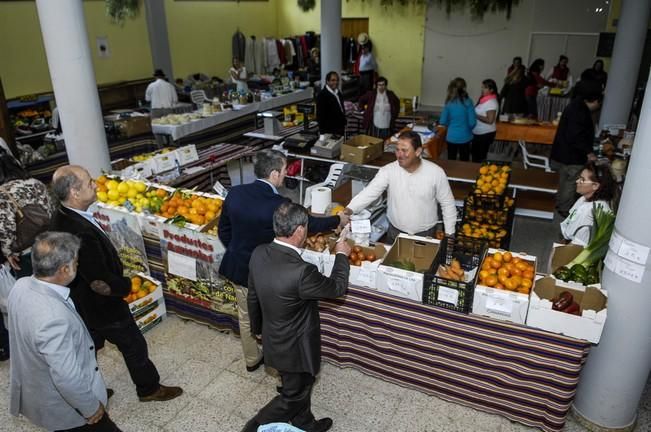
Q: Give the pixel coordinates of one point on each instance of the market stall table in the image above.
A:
(550, 105)
(526, 375)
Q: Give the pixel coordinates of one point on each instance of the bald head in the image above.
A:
(74, 187)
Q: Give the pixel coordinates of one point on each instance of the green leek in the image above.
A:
(602, 229)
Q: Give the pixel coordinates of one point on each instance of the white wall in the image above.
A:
(458, 46)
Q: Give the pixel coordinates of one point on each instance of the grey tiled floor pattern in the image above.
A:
(220, 395)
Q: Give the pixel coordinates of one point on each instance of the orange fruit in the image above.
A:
(136, 280)
(516, 272)
(528, 275)
(522, 266)
(483, 274)
(516, 260)
(503, 271)
(526, 284)
(141, 294)
(161, 193)
(499, 285)
(491, 281)
(210, 215)
(496, 264)
(502, 278)
(492, 271)
(510, 285)
(507, 257)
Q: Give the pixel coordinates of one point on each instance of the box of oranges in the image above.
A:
(490, 186)
(450, 281)
(505, 282)
(146, 293)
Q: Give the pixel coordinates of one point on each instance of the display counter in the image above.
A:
(534, 134)
(526, 375)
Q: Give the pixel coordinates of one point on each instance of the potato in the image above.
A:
(358, 263)
(357, 249)
(371, 257)
(353, 256)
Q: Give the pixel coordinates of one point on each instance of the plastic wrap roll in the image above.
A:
(321, 199)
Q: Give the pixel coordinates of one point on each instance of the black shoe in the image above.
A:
(164, 393)
(109, 393)
(255, 366)
(251, 426)
(320, 425)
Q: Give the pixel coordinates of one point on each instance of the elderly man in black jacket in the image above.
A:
(572, 146)
(100, 285)
(283, 305)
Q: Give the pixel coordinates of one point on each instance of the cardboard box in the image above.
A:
(362, 149)
(363, 275)
(164, 162)
(152, 319)
(187, 154)
(589, 325)
(404, 283)
(142, 306)
(128, 127)
(562, 255)
(502, 304)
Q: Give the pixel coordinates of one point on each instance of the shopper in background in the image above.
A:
(381, 107)
(367, 64)
(596, 73)
(517, 64)
(415, 188)
(573, 143)
(560, 74)
(535, 82)
(246, 222)
(486, 112)
(100, 285)
(596, 186)
(283, 300)
(512, 93)
(459, 117)
(160, 93)
(330, 112)
(18, 191)
(314, 66)
(55, 380)
(238, 76)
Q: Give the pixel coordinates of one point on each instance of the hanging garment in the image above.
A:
(273, 60)
(249, 55)
(239, 45)
(260, 56)
(281, 52)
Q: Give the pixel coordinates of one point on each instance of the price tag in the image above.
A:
(500, 303)
(615, 242)
(448, 295)
(367, 274)
(634, 252)
(360, 226)
(624, 268)
(182, 265)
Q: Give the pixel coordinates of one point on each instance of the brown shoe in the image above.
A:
(163, 393)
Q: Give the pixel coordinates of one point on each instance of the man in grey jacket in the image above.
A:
(55, 379)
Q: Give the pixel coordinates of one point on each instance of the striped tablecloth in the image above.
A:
(527, 375)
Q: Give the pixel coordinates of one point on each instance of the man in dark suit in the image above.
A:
(330, 112)
(283, 302)
(246, 222)
(100, 286)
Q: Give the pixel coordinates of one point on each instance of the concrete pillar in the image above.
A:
(63, 26)
(616, 371)
(330, 37)
(625, 65)
(158, 40)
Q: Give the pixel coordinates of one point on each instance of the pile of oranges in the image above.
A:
(504, 271)
(492, 179)
(140, 287)
(196, 209)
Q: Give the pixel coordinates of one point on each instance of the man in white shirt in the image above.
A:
(160, 93)
(415, 187)
(55, 380)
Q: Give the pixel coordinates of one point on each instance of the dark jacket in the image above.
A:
(283, 305)
(247, 221)
(575, 135)
(368, 100)
(98, 260)
(513, 96)
(330, 113)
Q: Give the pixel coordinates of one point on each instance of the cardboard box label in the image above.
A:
(500, 303)
(448, 295)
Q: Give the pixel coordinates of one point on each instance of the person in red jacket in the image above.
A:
(535, 82)
(382, 108)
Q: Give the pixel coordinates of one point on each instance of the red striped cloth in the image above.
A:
(524, 374)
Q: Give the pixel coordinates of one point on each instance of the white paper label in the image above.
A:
(628, 249)
(499, 303)
(360, 226)
(624, 268)
(615, 242)
(448, 295)
(367, 274)
(182, 265)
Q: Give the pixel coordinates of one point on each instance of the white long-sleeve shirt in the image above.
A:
(412, 197)
(161, 94)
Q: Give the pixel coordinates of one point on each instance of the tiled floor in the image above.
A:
(220, 395)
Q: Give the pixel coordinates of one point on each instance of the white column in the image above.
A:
(616, 371)
(63, 26)
(158, 38)
(330, 37)
(625, 65)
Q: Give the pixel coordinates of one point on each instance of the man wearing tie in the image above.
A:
(330, 113)
(55, 381)
(100, 285)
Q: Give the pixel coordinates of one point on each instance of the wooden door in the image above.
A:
(351, 27)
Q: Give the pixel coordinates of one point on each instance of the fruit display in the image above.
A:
(565, 303)
(476, 213)
(132, 194)
(493, 179)
(505, 271)
(140, 287)
(358, 256)
(579, 274)
(452, 272)
(484, 231)
(194, 208)
(145, 156)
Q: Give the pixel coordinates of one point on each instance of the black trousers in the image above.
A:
(105, 424)
(293, 404)
(462, 149)
(366, 81)
(132, 344)
(480, 146)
